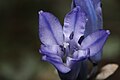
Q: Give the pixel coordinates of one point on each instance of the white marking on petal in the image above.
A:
(86, 19)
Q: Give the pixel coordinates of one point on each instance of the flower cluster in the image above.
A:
(80, 38)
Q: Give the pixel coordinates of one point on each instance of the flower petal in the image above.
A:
(93, 11)
(74, 24)
(97, 6)
(57, 62)
(95, 41)
(50, 30)
(79, 55)
(51, 50)
(52, 55)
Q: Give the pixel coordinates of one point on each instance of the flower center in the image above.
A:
(65, 45)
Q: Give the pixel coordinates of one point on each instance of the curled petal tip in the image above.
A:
(40, 51)
(40, 12)
(77, 8)
(44, 58)
(108, 32)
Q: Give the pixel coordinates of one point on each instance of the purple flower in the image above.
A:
(65, 47)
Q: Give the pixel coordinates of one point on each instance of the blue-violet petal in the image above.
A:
(50, 29)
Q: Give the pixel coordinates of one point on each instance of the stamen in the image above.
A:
(65, 45)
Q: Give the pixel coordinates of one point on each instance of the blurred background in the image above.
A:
(19, 40)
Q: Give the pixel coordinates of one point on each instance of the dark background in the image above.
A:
(19, 40)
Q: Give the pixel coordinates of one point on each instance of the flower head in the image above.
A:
(66, 47)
